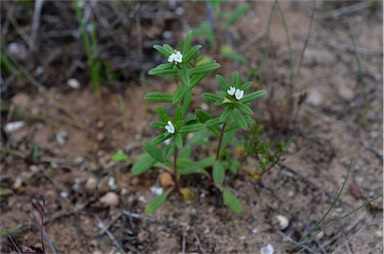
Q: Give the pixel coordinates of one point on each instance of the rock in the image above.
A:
(268, 249)
(73, 83)
(314, 97)
(91, 183)
(282, 222)
(157, 190)
(110, 199)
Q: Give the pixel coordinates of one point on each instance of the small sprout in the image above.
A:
(170, 128)
(176, 57)
(231, 91)
(239, 94)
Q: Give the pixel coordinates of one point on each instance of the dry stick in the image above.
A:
(306, 39)
(36, 23)
(344, 10)
(102, 226)
(10, 238)
(356, 234)
(289, 239)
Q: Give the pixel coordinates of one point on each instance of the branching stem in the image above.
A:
(220, 141)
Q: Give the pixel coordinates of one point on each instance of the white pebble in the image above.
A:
(157, 190)
(268, 249)
(110, 199)
(283, 222)
(73, 83)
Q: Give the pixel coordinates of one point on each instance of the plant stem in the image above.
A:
(175, 153)
(220, 141)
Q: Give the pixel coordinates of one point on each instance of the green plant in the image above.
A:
(223, 21)
(315, 230)
(90, 45)
(175, 152)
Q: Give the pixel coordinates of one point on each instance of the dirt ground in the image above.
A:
(65, 159)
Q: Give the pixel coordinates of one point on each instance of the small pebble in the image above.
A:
(18, 183)
(34, 169)
(13, 126)
(283, 222)
(110, 199)
(91, 183)
(100, 124)
(73, 83)
(100, 137)
(64, 194)
(268, 249)
(157, 190)
(61, 137)
(142, 198)
(112, 183)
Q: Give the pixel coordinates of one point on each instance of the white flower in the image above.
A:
(239, 94)
(176, 57)
(231, 90)
(170, 128)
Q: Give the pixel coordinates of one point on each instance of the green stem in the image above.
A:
(175, 153)
(220, 141)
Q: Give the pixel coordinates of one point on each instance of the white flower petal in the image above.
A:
(231, 90)
(239, 94)
(170, 128)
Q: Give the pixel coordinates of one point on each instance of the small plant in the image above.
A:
(219, 21)
(172, 150)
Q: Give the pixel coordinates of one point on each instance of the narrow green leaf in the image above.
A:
(179, 94)
(186, 152)
(225, 114)
(203, 116)
(5, 192)
(164, 69)
(235, 79)
(179, 141)
(244, 108)
(213, 98)
(206, 31)
(191, 54)
(179, 113)
(163, 51)
(144, 163)
(153, 151)
(158, 97)
(191, 128)
(187, 42)
(228, 136)
(161, 138)
(120, 156)
(168, 151)
(168, 48)
(253, 96)
(239, 119)
(235, 57)
(232, 202)
(162, 114)
(205, 68)
(184, 75)
(157, 124)
(193, 170)
(207, 162)
(234, 166)
(223, 84)
(236, 14)
(157, 202)
(187, 102)
(196, 80)
(246, 85)
(218, 173)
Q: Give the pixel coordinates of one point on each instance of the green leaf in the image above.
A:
(157, 202)
(196, 79)
(228, 136)
(162, 114)
(168, 151)
(179, 141)
(187, 102)
(235, 57)
(246, 85)
(184, 75)
(223, 84)
(235, 15)
(234, 166)
(144, 163)
(153, 151)
(157, 124)
(5, 192)
(164, 69)
(205, 30)
(191, 54)
(191, 128)
(179, 113)
(213, 98)
(161, 138)
(179, 94)
(232, 202)
(120, 156)
(158, 97)
(235, 79)
(225, 114)
(168, 49)
(186, 152)
(239, 119)
(218, 173)
(207, 162)
(244, 108)
(213, 125)
(205, 68)
(193, 170)
(253, 96)
(164, 51)
(187, 42)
